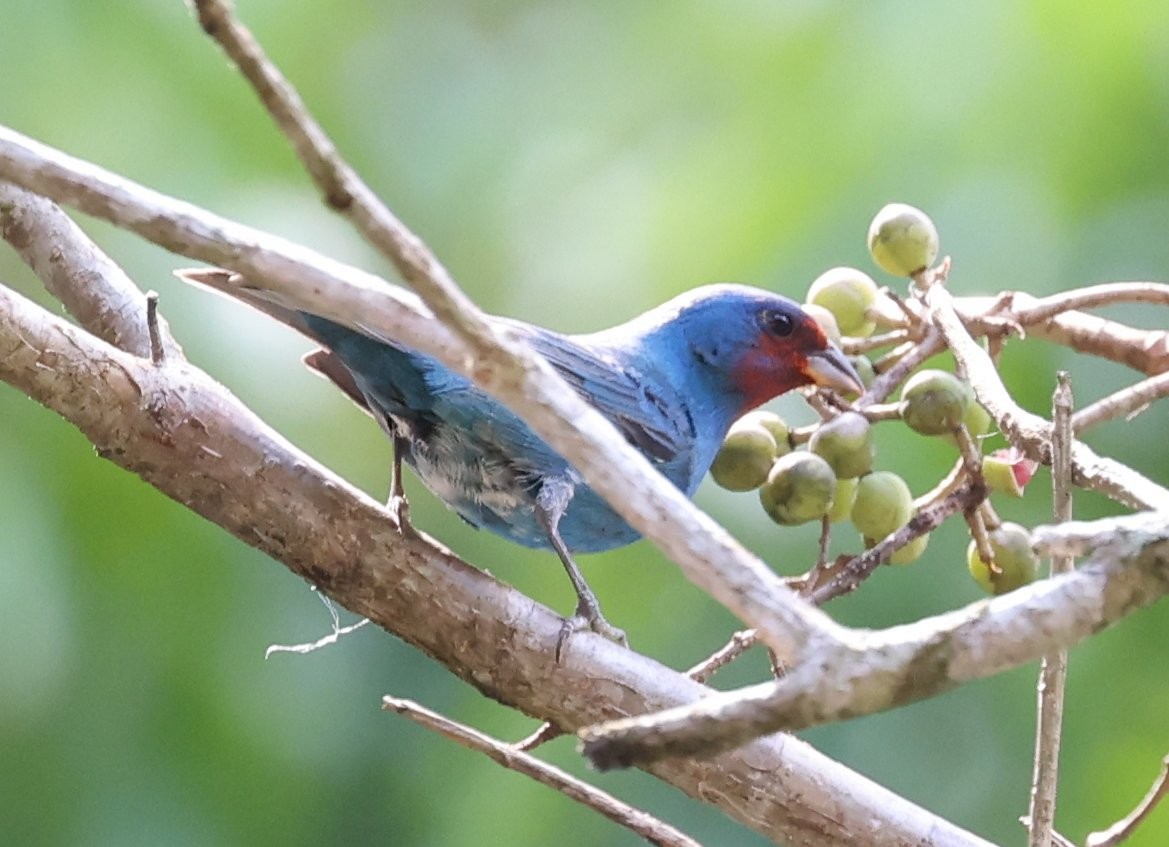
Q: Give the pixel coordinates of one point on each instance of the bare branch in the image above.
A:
(1122, 829)
(1118, 538)
(77, 272)
(1146, 351)
(884, 384)
(887, 668)
(1053, 671)
(1126, 403)
(641, 823)
(544, 733)
(1089, 296)
(740, 642)
(927, 519)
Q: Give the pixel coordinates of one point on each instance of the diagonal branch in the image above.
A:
(648, 827)
(77, 272)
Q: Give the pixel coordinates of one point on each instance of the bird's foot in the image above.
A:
(399, 507)
(588, 617)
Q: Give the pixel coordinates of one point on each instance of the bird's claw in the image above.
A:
(399, 507)
(591, 619)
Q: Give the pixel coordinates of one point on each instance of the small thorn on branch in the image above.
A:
(543, 734)
(157, 351)
(740, 642)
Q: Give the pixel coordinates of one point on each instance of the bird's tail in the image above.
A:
(236, 287)
(323, 361)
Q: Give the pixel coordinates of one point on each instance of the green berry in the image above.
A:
(774, 424)
(934, 402)
(863, 366)
(846, 443)
(1011, 545)
(799, 489)
(883, 504)
(745, 458)
(977, 420)
(847, 293)
(842, 500)
(903, 240)
(911, 552)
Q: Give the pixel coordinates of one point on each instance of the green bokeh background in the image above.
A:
(573, 163)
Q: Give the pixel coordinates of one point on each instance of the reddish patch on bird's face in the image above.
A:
(777, 364)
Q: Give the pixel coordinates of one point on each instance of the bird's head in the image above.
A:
(751, 345)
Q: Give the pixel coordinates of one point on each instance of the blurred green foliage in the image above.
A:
(573, 163)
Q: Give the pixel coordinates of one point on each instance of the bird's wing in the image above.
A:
(652, 418)
(655, 420)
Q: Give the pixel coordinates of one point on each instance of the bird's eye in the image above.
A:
(778, 324)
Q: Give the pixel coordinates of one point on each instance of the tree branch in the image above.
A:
(77, 272)
(191, 439)
(1120, 831)
(878, 670)
(640, 823)
(1031, 433)
(1053, 670)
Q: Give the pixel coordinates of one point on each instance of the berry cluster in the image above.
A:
(827, 474)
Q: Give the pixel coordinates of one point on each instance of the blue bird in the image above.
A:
(672, 381)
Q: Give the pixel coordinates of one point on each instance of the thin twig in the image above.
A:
(1053, 670)
(336, 632)
(740, 642)
(341, 186)
(887, 381)
(544, 733)
(1089, 296)
(849, 577)
(980, 529)
(852, 346)
(947, 485)
(1125, 827)
(643, 824)
(1126, 403)
(1146, 351)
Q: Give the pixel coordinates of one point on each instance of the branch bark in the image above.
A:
(77, 272)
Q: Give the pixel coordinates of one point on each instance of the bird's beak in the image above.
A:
(829, 369)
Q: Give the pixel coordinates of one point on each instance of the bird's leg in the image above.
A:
(397, 502)
(550, 506)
